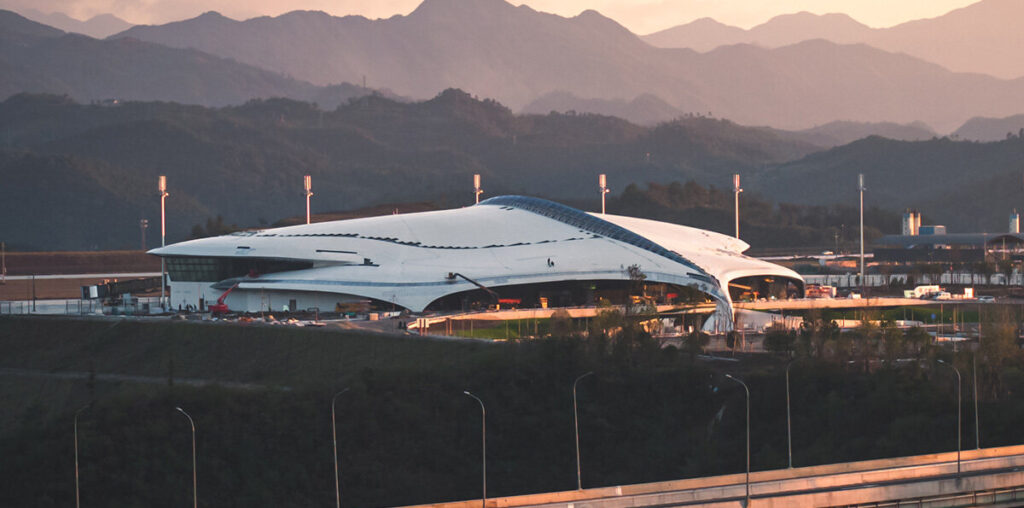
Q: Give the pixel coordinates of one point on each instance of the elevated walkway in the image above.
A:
(990, 476)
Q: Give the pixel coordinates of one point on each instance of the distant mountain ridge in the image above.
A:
(991, 129)
(645, 109)
(98, 27)
(984, 37)
(517, 55)
(39, 58)
(64, 161)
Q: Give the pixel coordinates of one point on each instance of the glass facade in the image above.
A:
(590, 224)
(213, 269)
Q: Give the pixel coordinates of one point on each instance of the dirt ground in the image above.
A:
(52, 263)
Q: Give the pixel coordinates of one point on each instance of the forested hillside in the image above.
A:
(87, 173)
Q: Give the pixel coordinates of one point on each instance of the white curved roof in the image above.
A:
(406, 259)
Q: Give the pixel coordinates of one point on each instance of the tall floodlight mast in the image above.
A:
(860, 188)
(307, 182)
(602, 183)
(162, 186)
(477, 191)
(737, 190)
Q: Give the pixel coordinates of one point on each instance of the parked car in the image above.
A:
(986, 299)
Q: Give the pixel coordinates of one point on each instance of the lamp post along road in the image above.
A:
(958, 418)
(195, 494)
(83, 408)
(974, 373)
(789, 419)
(334, 438)
(483, 431)
(747, 390)
(576, 423)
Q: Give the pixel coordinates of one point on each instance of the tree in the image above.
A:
(779, 339)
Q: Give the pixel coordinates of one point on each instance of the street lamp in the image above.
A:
(789, 419)
(307, 183)
(483, 427)
(602, 184)
(83, 408)
(162, 187)
(736, 189)
(195, 495)
(861, 189)
(334, 437)
(143, 224)
(745, 388)
(957, 414)
(477, 191)
(576, 423)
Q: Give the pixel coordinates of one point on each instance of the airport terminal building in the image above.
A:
(515, 250)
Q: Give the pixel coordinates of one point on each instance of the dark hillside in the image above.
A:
(245, 163)
(950, 181)
(646, 415)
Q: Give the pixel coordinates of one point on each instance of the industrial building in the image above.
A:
(931, 243)
(514, 250)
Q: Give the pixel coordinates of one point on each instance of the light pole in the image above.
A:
(162, 186)
(477, 191)
(860, 188)
(974, 372)
(483, 427)
(334, 437)
(143, 224)
(602, 184)
(307, 183)
(83, 408)
(957, 414)
(195, 495)
(737, 190)
(745, 388)
(789, 419)
(576, 423)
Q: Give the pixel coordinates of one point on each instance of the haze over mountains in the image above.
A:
(99, 26)
(984, 37)
(517, 55)
(37, 58)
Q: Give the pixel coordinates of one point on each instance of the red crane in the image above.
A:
(220, 307)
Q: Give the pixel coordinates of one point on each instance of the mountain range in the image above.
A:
(41, 59)
(984, 37)
(83, 175)
(99, 26)
(517, 55)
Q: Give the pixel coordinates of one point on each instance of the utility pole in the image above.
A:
(477, 191)
(860, 188)
(737, 190)
(602, 183)
(307, 182)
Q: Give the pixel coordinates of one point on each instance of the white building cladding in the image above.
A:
(407, 260)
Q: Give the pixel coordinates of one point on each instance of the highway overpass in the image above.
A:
(988, 477)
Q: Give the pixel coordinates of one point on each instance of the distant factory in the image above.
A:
(931, 243)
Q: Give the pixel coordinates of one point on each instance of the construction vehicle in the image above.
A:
(220, 307)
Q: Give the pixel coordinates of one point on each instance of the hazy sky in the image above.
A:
(640, 16)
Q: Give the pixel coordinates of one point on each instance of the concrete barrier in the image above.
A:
(825, 485)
